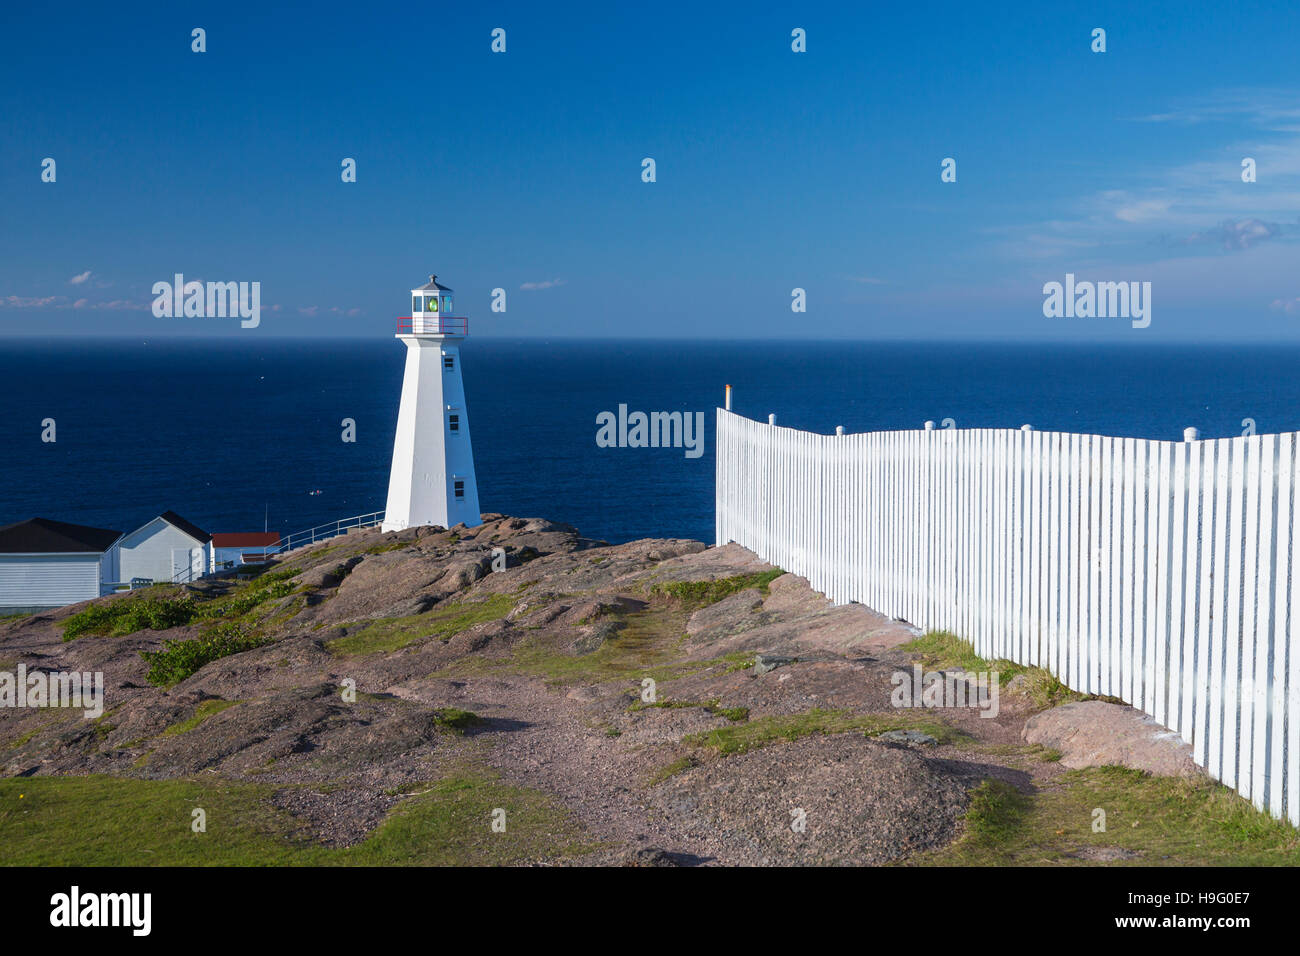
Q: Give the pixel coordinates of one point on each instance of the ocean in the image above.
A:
(245, 432)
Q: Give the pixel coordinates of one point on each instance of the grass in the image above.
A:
(697, 594)
(202, 712)
(1162, 820)
(763, 731)
(645, 646)
(163, 606)
(454, 720)
(386, 635)
(670, 770)
(110, 821)
(714, 707)
(128, 615)
(942, 649)
(236, 624)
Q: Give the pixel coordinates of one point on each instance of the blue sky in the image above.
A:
(775, 170)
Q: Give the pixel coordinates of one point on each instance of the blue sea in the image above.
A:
(237, 434)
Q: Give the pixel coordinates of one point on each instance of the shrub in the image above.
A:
(127, 616)
(179, 659)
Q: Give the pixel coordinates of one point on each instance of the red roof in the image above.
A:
(250, 539)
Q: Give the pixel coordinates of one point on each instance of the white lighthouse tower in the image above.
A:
(432, 481)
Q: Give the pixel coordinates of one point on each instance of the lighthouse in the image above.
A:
(432, 480)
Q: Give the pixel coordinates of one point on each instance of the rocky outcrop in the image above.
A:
(1094, 733)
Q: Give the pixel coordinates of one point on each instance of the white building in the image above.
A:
(432, 480)
(233, 549)
(46, 564)
(168, 548)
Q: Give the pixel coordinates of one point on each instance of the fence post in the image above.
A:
(1190, 434)
(771, 418)
(728, 405)
(929, 426)
(839, 429)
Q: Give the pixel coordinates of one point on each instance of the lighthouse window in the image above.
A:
(453, 422)
(416, 305)
(460, 489)
(446, 303)
(432, 304)
(449, 362)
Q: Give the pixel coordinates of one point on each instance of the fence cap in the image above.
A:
(1190, 434)
(839, 429)
(929, 426)
(1026, 428)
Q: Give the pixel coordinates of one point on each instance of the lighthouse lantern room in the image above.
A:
(432, 480)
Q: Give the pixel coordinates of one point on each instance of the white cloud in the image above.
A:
(80, 278)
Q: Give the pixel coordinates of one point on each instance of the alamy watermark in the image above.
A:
(128, 910)
(53, 689)
(1102, 300)
(211, 300)
(922, 688)
(653, 430)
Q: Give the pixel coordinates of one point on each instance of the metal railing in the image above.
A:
(296, 540)
(433, 325)
(321, 532)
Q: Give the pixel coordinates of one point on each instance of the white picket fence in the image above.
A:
(1156, 572)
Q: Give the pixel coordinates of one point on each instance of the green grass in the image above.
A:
(734, 714)
(130, 614)
(455, 720)
(647, 645)
(670, 770)
(108, 821)
(1164, 820)
(763, 731)
(161, 607)
(386, 635)
(942, 649)
(696, 594)
(201, 713)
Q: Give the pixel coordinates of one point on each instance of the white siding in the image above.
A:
(48, 580)
(147, 551)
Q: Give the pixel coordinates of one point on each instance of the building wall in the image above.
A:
(427, 457)
(147, 552)
(47, 580)
(109, 570)
(233, 555)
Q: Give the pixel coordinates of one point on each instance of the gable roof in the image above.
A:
(194, 531)
(245, 539)
(46, 536)
(433, 285)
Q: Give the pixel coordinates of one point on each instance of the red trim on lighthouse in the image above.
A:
(433, 325)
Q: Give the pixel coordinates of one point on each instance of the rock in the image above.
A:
(763, 663)
(1093, 733)
(730, 616)
(908, 737)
